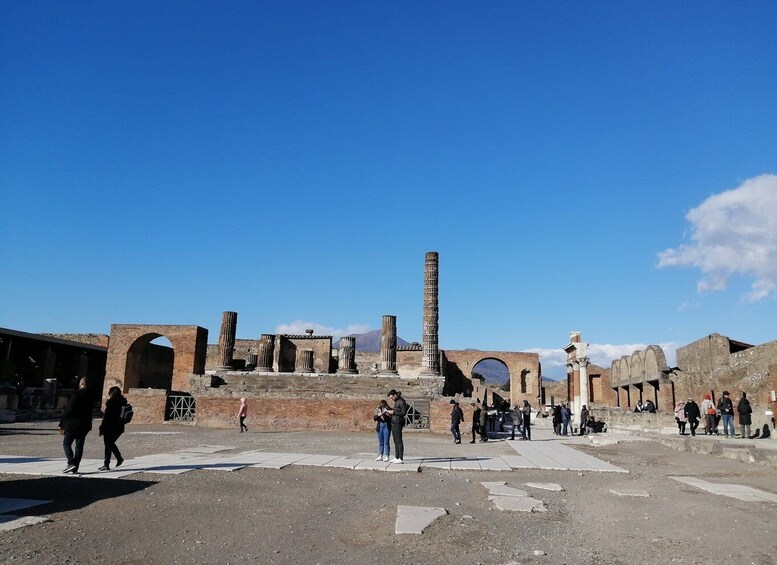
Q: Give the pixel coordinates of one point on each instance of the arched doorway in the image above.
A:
(150, 361)
(491, 381)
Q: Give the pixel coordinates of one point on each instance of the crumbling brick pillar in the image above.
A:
(430, 362)
(265, 353)
(388, 345)
(305, 361)
(666, 400)
(227, 339)
(346, 356)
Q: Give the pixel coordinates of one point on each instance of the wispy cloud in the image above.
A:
(734, 232)
(602, 354)
(298, 327)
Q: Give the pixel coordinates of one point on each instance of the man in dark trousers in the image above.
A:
(476, 420)
(692, 414)
(397, 412)
(457, 416)
(76, 422)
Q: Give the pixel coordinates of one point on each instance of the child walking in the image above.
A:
(242, 413)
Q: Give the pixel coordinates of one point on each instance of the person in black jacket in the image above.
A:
(745, 420)
(475, 420)
(112, 427)
(457, 416)
(692, 414)
(398, 412)
(75, 424)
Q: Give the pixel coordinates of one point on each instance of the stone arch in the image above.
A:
(636, 372)
(655, 362)
(625, 370)
(189, 344)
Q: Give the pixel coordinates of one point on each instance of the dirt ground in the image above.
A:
(324, 515)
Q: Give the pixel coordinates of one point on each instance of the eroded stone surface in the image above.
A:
(415, 519)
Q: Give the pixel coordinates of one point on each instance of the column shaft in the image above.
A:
(430, 362)
(227, 339)
(346, 356)
(388, 345)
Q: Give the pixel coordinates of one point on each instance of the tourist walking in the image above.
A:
(710, 415)
(483, 423)
(565, 417)
(516, 417)
(476, 420)
(557, 419)
(382, 419)
(679, 416)
(526, 411)
(457, 417)
(726, 408)
(692, 414)
(75, 424)
(744, 410)
(397, 412)
(242, 413)
(112, 427)
(583, 420)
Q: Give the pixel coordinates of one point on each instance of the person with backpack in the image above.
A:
(726, 408)
(710, 414)
(112, 426)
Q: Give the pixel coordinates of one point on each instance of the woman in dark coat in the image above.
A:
(112, 427)
(744, 410)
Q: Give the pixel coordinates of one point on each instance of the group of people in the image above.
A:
(389, 421)
(562, 421)
(690, 413)
(648, 407)
(76, 423)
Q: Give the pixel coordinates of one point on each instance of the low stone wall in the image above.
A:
(148, 405)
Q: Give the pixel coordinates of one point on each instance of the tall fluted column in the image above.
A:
(388, 345)
(430, 362)
(305, 361)
(346, 356)
(227, 339)
(264, 353)
(576, 404)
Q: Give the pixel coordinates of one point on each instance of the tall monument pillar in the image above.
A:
(584, 385)
(346, 355)
(227, 339)
(388, 345)
(430, 362)
(264, 353)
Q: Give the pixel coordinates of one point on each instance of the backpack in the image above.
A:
(126, 413)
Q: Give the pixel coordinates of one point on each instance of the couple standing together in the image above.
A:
(390, 421)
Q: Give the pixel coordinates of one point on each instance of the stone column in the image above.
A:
(264, 353)
(346, 356)
(430, 362)
(227, 339)
(251, 362)
(388, 346)
(305, 361)
(585, 386)
(576, 404)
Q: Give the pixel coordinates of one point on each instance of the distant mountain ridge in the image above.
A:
(370, 341)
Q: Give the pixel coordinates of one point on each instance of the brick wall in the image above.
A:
(148, 405)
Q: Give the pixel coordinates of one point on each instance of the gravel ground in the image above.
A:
(322, 515)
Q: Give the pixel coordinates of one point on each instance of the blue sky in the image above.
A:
(602, 167)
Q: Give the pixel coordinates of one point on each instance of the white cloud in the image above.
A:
(554, 360)
(733, 233)
(298, 327)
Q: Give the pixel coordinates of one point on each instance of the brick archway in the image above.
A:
(524, 369)
(189, 344)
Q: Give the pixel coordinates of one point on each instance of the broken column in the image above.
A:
(264, 353)
(251, 361)
(346, 356)
(227, 339)
(305, 361)
(388, 345)
(430, 362)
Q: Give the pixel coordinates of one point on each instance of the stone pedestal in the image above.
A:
(265, 353)
(346, 356)
(388, 346)
(430, 362)
(305, 361)
(227, 339)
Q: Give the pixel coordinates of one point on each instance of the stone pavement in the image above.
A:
(545, 452)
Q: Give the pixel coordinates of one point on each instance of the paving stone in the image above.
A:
(8, 522)
(739, 492)
(518, 503)
(206, 449)
(493, 464)
(415, 519)
(630, 492)
(503, 490)
(546, 486)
